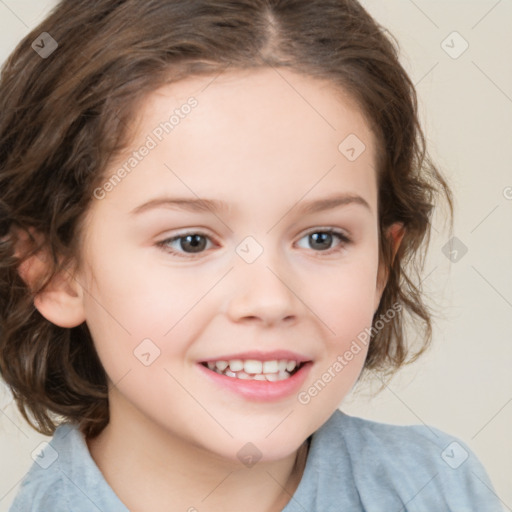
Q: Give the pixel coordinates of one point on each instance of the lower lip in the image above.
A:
(259, 390)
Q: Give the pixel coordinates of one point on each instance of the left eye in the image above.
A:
(323, 239)
(194, 241)
(188, 244)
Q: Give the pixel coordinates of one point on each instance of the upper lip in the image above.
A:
(261, 356)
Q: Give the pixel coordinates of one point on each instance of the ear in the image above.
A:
(60, 301)
(396, 233)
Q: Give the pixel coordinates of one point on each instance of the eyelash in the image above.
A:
(163, 245)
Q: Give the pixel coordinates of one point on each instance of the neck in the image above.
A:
(159, 469)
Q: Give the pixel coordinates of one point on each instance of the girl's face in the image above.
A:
(252, 275)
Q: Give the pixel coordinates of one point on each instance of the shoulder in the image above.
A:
(400, 440)
(43, 487)
(64, 477)
(416, 464)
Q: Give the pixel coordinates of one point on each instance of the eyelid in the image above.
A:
(344, 237)
(328, 229)
(162, 244)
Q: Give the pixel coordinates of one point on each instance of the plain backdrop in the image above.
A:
(463, 385)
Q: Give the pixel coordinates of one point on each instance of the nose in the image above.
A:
(264, 292)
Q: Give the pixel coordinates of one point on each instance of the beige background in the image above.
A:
(464, 384)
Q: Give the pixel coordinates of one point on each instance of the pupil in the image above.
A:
(197, 242)
(194, 241)
(323, 238)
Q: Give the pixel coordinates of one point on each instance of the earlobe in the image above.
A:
(61, 301)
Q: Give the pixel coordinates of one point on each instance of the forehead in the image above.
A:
(282, 134)
(270, 100)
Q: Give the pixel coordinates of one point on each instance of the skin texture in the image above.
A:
(255, 143)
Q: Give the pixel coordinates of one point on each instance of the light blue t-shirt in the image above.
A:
(353, 465)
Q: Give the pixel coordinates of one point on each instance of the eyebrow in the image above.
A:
(214, 205)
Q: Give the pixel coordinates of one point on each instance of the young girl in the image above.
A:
(211, 214)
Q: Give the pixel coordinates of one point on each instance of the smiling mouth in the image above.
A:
(252, 369)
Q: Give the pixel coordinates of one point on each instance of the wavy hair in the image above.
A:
(65, 116)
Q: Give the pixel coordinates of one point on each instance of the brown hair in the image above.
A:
(65, 116)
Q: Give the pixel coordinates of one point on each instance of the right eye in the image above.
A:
(185, 245)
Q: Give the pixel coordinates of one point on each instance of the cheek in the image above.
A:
(129, 303)
(138, 293)
(133, 300)
(344, 299)
(345, 306)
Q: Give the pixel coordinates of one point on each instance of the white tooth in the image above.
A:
(270, 367)
(229, 374)
(221, 365)
(235, 365)
(283, 374)
(243, 375)
(252, 366)
(259, 376)
(271, 377)
(291, 366)
(211, 365)
(282, 364)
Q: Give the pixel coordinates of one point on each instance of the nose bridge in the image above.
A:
(264, 282)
